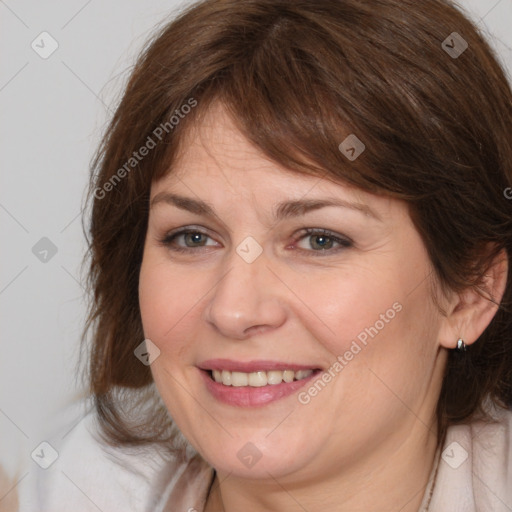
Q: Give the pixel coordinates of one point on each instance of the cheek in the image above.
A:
(387, 350)
(168, 301)
(376, 325)
(354, 305)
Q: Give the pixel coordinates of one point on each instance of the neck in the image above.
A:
(388, 480)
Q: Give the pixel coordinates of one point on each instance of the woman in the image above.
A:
(300, 248)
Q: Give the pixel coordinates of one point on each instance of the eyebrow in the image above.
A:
(284, 210)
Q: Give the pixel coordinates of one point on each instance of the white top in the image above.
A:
(474, 474)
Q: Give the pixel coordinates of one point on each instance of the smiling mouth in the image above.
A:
(259, 378)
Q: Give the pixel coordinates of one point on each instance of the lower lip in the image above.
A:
(248, 396)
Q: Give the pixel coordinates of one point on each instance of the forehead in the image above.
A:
(216, 162)
(214, 150)
(216, 146)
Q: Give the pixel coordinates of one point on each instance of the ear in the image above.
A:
(470, 312)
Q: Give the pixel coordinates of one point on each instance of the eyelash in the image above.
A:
(344, 243)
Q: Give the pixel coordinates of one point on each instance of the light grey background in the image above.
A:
(53, 114)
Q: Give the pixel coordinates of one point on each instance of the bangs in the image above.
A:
(297, 98)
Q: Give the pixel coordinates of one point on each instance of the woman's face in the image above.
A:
(245, 289)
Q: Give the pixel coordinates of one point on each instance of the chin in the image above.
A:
(259, 458)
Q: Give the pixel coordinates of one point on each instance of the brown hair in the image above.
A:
(299, 76)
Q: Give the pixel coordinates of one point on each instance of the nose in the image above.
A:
(247, 299)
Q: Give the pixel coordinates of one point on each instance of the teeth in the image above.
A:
(226, 378)
(274, 377)
(258, 379)
(302, 374)
(288, 375)
(239, 379)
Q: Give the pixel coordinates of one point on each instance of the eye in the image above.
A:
(322, 240)
(191, 237)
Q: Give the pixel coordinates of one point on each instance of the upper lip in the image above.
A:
(252, 366)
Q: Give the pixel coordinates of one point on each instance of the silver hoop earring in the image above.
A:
(461, 346)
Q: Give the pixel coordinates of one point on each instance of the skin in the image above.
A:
(367, 440)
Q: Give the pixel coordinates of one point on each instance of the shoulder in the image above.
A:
(475, 465)
(87, 475)
(491, 447)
